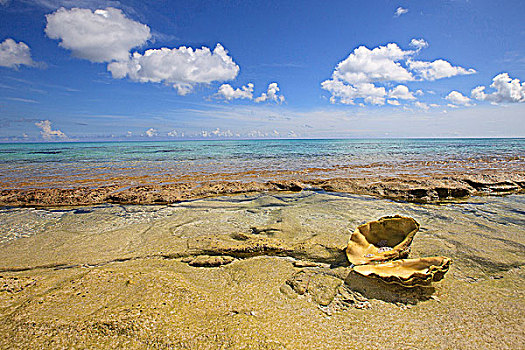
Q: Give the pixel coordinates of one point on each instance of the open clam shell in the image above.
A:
(408, 272)
(386, 239)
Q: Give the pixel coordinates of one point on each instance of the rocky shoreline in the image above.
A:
(410, 188)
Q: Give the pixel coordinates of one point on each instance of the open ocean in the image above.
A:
(72, 164)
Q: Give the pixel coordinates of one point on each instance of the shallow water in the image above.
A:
(480, 232)
(114, 276)
(132, 163)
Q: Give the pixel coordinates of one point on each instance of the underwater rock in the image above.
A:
(321, 287)
(386, 239)
(243, 245)
(408, 272)
(302, 263)
(209, 261)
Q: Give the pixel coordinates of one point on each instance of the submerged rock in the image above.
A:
(321, 287)
(209, 261)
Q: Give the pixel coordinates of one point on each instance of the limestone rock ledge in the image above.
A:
(409, 188)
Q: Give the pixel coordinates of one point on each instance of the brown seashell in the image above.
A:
(369, 242)
(408, 272)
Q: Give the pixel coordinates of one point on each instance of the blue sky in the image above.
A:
(129, 70)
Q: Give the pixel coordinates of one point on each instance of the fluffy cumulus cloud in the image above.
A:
(418, 43)
(400, 11)
(227, 92)
(47, 133)
(346, 93)
(379, 64)
(13, 54)
(271, 94)
(401, 92)
(507, 90)
(394, 102)
(362, 73)
(181, 67)
(354, 77)
(151, 132)
(107, 35)
(437, 69)
(99, 36)
(457, 98)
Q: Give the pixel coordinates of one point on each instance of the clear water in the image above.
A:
(102, 163)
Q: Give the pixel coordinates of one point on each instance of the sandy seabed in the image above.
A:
(262, 270)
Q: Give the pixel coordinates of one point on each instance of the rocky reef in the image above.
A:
(410, 188)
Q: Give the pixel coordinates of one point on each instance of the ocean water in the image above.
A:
(71, 164)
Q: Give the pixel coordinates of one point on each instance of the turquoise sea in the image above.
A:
(94, 163)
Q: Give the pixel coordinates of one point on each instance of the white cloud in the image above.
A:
(47, 133)
(181, 67)
(227, 92)
(346, 93)
(363, 72)
(507, 90)
(400, 11)
(419, 92)
(418, 43)
(99, 36)
(271, 94)
(457, 98)
(221, 133)
(393, 102)
(421, 105)
(377, 65)
(151, 132)
(13, 54)
(354, 77)
(401, 92)
(437, 69)
(18, 99)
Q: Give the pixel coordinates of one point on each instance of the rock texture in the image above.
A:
(407, 188)
(139, 277)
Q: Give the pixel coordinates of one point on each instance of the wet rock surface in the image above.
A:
(411, 188)
(260, 271)
(208, 261)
